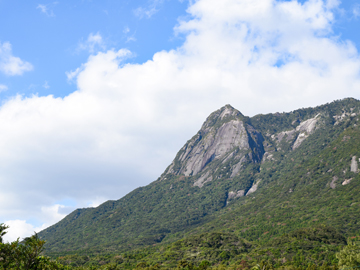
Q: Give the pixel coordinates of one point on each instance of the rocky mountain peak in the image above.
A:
(224, 138)
(224, 114)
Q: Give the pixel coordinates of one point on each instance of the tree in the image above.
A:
(28, 253)
(184, 264)
(349, 256)
(3, 227)
(7, 250)
(204, 265)
(25, 255)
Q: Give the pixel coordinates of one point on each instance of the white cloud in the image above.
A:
(51, 214)
(46, 10)
(3, 88)
(142, 12)
(71, 75)
(18, 229)
(9, 64)
(94, 43)
(130, 39)
(149, 10)
(124, 124)
(21, 228)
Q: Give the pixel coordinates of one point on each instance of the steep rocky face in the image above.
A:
(305, 129)
(296, 136)
(224, 136)
(227, 141)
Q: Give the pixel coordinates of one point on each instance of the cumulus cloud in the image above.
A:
(124, 124)
(9, 64)
(93, 43)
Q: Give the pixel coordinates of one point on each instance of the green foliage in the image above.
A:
(349, 256)
(25, 255)
(319, 234)
(2, 231)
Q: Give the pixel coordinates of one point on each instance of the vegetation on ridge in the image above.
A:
(319, 247)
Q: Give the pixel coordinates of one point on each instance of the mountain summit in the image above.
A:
(302, 166)
(224, 136)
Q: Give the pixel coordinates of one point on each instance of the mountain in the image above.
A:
(255, 177)
(224, 136)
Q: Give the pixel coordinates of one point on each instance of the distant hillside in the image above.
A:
(256, 178)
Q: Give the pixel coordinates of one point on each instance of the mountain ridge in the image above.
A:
(185, 200)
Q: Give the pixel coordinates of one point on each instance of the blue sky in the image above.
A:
(52, 36)
(98, 96)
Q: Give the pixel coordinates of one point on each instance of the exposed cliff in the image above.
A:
(225, 139)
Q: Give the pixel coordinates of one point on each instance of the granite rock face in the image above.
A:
(214, 144)
(234, 194)
(207, 177)
(227, 143)
(347, 181)
(299, 134)
(333, 182)
(224, 136)
(305, 128)
(354, 165)
(254, 187)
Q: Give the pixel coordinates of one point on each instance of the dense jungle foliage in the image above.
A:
(320, 247)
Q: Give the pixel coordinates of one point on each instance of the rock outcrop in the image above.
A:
(235, 194)
(333, 182)
(253, 188)
(299, 134)
(347, 181)
(305, 128)
(225, 139)
(354, 165)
